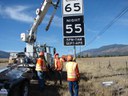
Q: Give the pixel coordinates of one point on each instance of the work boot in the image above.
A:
(55, 82)
(60, 82)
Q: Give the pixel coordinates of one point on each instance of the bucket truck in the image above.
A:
(15, 79)
(30, 38)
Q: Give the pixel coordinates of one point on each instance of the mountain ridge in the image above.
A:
(107, 50)
(4, 54)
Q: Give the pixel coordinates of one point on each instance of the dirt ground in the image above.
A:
(50, 88)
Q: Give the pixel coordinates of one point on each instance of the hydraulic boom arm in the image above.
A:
(40, 12)
(30, 38)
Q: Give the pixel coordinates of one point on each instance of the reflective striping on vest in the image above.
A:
(71, 66)
(72, 76)
(40, 65)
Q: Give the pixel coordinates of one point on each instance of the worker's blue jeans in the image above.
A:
(41, 79)
(58, 76)
(73, 88)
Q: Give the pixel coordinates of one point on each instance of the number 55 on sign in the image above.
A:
(73, 26)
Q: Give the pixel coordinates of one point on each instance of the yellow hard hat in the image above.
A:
(69, 58)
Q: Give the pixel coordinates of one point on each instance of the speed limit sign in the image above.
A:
(73, 26)
(71, 7)
(73, 23)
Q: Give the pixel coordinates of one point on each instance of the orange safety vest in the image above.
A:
(58, 64)
(72, 71)
(40, 65)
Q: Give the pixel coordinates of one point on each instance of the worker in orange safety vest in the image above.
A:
(58, 68)
(72, 75)
(41, 70)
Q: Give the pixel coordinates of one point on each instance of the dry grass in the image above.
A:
(93, 72)
(98, 70)
(3, 62)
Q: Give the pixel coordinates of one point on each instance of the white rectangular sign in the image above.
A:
(72, 7)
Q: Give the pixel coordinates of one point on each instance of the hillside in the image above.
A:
(109, 50)
(4, 54)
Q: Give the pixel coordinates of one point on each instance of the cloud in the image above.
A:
(17, 12)
(123, 22)
(50, 40)
(57, 21)
(91, 30)
(21, 13)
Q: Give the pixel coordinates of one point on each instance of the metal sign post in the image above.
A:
(74, 53)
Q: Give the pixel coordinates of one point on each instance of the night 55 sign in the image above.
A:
(73, 26)
(73, 23)
(72, 7)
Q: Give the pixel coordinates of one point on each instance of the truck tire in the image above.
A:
(14, 91)
(25, 89)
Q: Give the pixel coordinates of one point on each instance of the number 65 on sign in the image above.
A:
(71, 7)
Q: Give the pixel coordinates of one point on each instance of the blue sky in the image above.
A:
(16, 17)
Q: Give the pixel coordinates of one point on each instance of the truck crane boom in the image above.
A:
(41, 12)
(30, 38)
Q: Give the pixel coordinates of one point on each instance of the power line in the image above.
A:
(109, 25)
